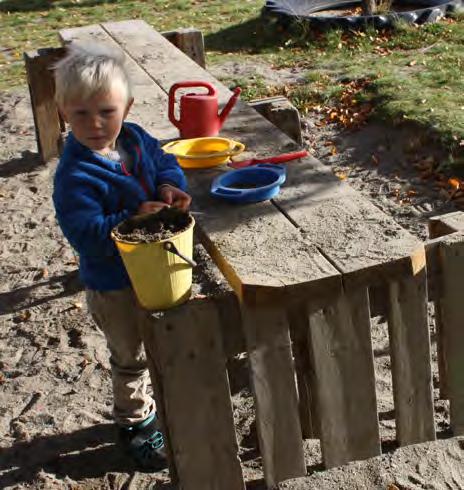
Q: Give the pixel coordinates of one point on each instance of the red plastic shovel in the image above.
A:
(285, 157)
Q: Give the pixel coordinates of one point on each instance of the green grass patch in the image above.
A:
(414, 73)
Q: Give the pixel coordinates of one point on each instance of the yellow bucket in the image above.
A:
(161, 271)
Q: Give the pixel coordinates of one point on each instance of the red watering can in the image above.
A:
(198, 112)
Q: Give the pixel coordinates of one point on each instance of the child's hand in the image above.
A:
(151, 207)
(174, 197)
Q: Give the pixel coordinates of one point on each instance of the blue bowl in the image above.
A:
(250, 184)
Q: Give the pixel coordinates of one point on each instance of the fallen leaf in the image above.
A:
(412, 63)
(454, 183)
(341, 175)
(84, 362)
(78, 305)
(375, 160)
(24, 316)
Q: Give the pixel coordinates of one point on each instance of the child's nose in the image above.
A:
(96, 121)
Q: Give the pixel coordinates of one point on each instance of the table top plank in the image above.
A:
(360, 240)
(160, 58)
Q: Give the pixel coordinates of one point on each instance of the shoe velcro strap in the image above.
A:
(141, 434)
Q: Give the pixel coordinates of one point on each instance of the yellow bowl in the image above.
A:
(203, 152)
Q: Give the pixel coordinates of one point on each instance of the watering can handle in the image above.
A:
(186, 84)
(170, 247)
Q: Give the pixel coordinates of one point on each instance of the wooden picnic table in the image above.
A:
(308, 259)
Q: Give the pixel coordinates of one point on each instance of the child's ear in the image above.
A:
(128, 106)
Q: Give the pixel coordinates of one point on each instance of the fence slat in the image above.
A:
(188, 348)
(440, 226)
(305, 376)
(341, 345)
(452, 325)
(41, 83)
(410, 358)
(273, 381)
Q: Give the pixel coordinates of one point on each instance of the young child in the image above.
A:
(110, 170)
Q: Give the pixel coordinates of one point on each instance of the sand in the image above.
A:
(56, 430)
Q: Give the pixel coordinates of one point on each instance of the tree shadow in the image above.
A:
(19, 299)
(25, 5)
(253, 36)
(86, 453)
(40, 5)
(28, 162)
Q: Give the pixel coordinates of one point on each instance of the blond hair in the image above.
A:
(87, 69)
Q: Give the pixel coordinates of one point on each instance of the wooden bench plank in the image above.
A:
(452, 259)
(196, 396)
(410, 358)
(274, 390)
(342, 350)
(189, 41)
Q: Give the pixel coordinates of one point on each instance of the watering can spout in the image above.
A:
(228, 107)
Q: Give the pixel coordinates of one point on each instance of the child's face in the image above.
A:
(96, 122)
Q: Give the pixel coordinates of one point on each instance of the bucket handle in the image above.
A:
(170, 247)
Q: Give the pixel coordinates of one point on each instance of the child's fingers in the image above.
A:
(182, 203)
(168, 196)
(151, 207)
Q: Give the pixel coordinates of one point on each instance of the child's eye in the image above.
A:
(107, 112)
(81, 113)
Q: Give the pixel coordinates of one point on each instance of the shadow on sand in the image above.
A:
(21, 298)
(86, 453)
(28, 162)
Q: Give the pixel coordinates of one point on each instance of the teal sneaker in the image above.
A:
(145, 444)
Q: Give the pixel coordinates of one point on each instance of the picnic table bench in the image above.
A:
(304, 267)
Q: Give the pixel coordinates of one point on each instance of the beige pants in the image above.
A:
(123, 321)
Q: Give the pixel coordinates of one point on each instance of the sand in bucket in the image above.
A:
(157, 252)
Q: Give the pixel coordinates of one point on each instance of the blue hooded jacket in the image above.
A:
(93, 194)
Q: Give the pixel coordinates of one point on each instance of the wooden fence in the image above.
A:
(194, 341)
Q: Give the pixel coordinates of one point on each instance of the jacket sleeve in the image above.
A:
(167, 168)
(82, 218)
